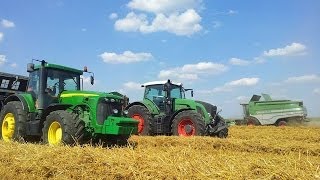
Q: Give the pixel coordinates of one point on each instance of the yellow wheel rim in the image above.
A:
(8, 126)
(55, 133)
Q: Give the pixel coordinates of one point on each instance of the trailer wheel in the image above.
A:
(188, 123)
(282, 123)
(251, 121)
(13, 122)
(142, 114)
(61, 127)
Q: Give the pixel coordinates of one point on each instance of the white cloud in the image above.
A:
(132, 22)
(243, 82)
(312, 78)
(192, 71)
(13, 65)
(3, 59)
(238, 62)
(229, 86)
(132, 85)
(126, 57)
(164, 6)
(7, 24)
(243, 99)
(186, 23)
(316, 91)
(113, 16)
(293, 49)
(1, 36)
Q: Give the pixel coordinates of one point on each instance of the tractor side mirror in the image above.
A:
(30, 67)
(191, 93)
(91, 80)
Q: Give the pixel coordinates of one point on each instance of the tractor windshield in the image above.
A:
(154, 92)
(58, 81)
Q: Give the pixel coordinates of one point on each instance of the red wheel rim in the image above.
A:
(250, 123)
(282, 124)
(186, 128)
(141, 122)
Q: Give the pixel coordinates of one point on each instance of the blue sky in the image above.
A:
(225, 50)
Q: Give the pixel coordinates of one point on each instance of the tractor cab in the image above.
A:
(48, 81)
(161, 93)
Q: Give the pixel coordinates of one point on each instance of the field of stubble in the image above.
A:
(248, 153)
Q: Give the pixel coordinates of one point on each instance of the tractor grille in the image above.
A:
(105, 109)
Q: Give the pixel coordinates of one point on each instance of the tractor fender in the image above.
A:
(177, 112)
(147, 105)
(17, 97)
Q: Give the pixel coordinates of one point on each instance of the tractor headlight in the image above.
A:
(125, 112)
(112, 100)
(115, 111)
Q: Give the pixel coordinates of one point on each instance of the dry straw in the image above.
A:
(248, 153)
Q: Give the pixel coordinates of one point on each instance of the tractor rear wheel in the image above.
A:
(188, 123)
(13, 122)
(142, 114)
(62, 127)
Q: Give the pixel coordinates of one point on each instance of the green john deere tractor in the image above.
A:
(165, 110)
(56, 110)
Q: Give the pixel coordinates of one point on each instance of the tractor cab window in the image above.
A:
(177, 92)
(58, 81)
(156, 94)
(33, 83)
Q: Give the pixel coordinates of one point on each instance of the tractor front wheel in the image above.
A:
(188, 123)
(13, 122)
(142, 114)
(62, 127)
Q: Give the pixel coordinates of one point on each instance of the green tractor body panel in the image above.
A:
(113, 124)
(192, 104)
(153, 108)
(271, 111)
(30, 102)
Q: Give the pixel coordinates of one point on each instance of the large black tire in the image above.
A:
(72, 128)
(13, 121)
(223, 133)
(143, 115)
(188, 123)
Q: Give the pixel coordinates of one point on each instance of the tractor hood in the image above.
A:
(201, 107)
(81, 95)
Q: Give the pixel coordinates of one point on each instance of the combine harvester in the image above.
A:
(164, 110)
(272, 112)
(51, 106)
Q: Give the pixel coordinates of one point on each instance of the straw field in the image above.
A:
(248, 153)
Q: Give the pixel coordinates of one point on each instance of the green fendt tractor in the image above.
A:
(165, 110)
(55, 109)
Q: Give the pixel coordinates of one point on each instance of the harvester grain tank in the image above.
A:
(272, 112)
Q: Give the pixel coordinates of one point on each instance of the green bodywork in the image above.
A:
(85, 104)
(270, 111)
(180, 104)
(88, 102)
